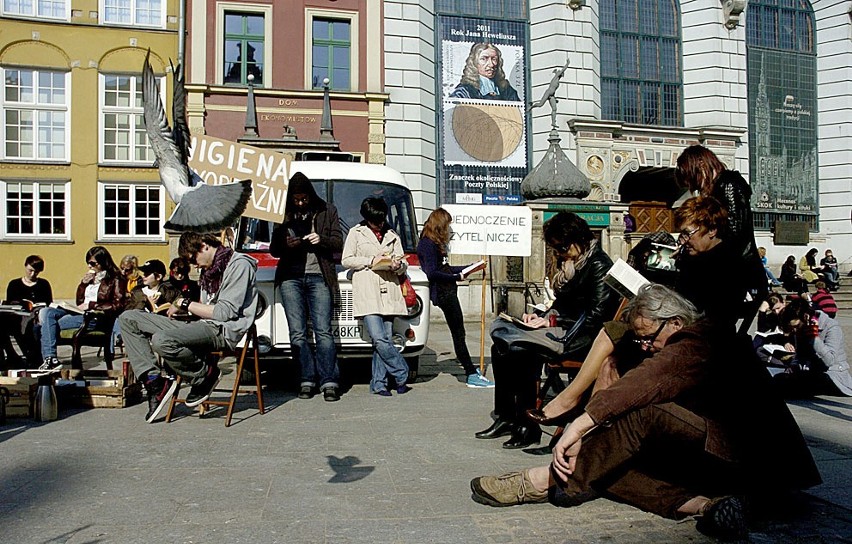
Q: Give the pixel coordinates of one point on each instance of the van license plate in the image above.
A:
(346, 331)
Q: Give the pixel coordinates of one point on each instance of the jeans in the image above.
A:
(303, 297)
(449, 304)
(771, 276)
(386, 358)
(183, 346)
(53, 320)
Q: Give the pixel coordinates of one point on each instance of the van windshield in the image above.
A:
(347, 195)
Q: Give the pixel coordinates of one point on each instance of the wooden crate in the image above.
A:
(98, 389)
(21, 395)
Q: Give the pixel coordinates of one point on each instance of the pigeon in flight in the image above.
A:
(200, 207)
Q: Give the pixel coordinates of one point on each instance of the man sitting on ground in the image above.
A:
(690, 426)
(222, 320)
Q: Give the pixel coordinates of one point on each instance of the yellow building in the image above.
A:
(75, 167)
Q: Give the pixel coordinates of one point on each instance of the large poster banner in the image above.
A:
(482, 110)
(782, 131)
(218, 162)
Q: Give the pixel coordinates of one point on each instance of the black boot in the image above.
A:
(523, 437)
(499, 428)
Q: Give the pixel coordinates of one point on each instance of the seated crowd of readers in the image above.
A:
(103, 289)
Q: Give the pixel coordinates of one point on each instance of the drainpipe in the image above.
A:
(181, 45)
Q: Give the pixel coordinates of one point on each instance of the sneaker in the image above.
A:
(506, 490)
(50, 364)
(160, 391)
(723, 518)
(478, 381)
(330, 394)
(201, 392)
(306, 392)
(383, 393)
(402, 389)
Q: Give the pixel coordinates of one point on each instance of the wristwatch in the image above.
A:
(184, 304)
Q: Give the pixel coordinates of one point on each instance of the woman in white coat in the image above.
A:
(374, 253)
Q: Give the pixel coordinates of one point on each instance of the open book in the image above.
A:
(161, 307)
(70, 308)
(386, 263)
(625, 279)
(475, 267)
(515, 320)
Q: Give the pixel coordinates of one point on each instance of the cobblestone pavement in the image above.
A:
(365, 469)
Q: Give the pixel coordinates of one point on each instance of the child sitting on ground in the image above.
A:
(823, 301)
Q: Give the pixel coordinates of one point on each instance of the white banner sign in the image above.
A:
(491, 230)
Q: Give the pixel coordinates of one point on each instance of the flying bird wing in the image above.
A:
(180, 134)
(174, 172)
(209, 208)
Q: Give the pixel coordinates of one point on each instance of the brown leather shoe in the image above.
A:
(506, 490)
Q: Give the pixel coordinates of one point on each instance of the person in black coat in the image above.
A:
(26, 290)
(583, 302)
(701, 171)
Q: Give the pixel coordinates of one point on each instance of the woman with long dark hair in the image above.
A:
(102, 288)
(374, 252)
(433, 255)
(701, 171)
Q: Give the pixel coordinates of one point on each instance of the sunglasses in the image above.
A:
(647, 340)
(92, 263)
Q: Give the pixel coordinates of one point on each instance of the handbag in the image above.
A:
(408, 292)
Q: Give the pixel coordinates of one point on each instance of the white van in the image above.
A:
(346, 185)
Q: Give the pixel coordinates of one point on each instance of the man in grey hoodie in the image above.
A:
(225, 314)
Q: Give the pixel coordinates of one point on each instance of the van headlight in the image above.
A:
(417, 309)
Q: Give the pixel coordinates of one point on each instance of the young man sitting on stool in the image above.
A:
(224, 316)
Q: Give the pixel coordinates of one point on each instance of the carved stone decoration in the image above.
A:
(576, 4)
(555, 175)
(732, 10)
(595, 166)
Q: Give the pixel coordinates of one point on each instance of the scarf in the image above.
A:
(379, 234)
(568, 268)
(211, 278)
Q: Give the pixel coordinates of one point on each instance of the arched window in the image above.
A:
(782, 108)
(641, 79)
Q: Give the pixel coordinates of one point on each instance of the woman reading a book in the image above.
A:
(374, 253)
(30, 291)
(701, 171)
(443, 290)
(583, 302)
(102, 288)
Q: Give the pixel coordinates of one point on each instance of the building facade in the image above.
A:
(75, 167)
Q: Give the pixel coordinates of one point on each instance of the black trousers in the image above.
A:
(652, 458)
(449, 303)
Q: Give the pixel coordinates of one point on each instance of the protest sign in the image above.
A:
(218, 162)
(491, 230)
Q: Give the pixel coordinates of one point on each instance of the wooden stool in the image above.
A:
(251, 343)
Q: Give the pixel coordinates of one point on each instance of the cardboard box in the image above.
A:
(22, 392)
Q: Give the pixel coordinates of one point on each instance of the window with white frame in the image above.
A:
(133, 12)
(131, 211)
(35, 114)
(35, 209)
(331, 49)
(53, 9)
(122, 125)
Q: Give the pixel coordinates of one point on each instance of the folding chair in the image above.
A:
(241, 354)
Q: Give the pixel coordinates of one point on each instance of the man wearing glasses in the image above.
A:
(225, 314)
(684, 433)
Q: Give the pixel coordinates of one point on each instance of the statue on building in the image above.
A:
(549, 95)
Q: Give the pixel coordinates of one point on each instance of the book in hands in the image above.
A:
(161, 308)
(625, 279)
(518, 322)
(475, 267)
(70, 308)
(386, 263)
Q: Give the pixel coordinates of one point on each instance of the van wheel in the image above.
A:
(413, 367)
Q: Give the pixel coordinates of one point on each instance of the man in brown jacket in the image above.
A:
(682, 433)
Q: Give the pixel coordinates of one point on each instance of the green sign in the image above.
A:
(594, 219)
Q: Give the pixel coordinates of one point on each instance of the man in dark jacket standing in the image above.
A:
(305, 244)
(583, 302)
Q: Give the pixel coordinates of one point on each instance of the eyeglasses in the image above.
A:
(126, 270)
(301, 200)
(92, 263)
(647, 340)
(686, 235)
